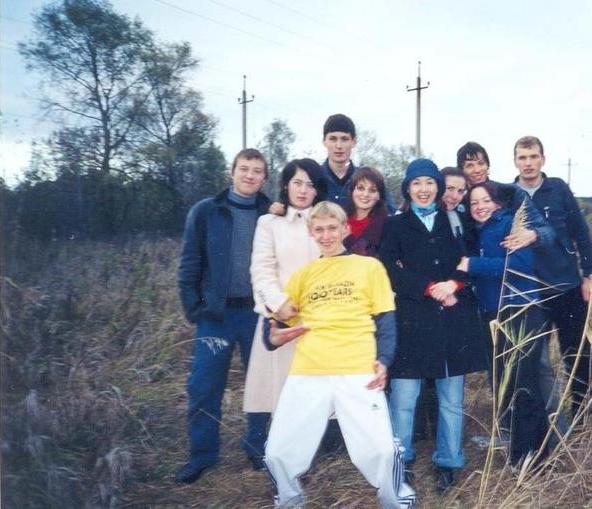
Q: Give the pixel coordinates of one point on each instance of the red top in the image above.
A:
(358, 226)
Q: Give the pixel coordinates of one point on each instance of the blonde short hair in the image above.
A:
(327, 209)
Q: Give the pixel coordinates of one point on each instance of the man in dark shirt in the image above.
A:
(566, 265)
(339, 138)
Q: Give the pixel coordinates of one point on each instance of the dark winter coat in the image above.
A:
(557, 264)
(512, 198)
(203, 277)
(434, 341)
(488, 268)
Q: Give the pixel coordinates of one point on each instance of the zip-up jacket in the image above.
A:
(203, 277)
(557, 264)
(488, 268)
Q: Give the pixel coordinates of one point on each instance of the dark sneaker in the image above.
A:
(190, 473)
(444, 478)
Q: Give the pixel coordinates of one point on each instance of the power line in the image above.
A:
(221, 23)
(269, 23)
(317, 21)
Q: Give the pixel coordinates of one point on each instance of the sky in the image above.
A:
(497, 71)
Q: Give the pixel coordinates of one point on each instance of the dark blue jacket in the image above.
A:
(338, 189)
(488, 268)
(557, 264)
(203, 276)
(512, 197)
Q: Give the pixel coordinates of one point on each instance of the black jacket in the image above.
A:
(203, 275)
(433, 341)
(557, 264)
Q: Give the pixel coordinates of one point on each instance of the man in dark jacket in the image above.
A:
(558, 265)
(215, 289)
(473, 160)
(339, 138)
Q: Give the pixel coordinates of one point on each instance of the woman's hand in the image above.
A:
(440, 291)
(287, 311)
(449, 301)
(463, 265)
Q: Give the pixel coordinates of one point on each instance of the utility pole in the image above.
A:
(418, 88)
(569, 165)
(243, 101)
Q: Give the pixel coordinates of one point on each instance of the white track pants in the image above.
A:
(305, 405)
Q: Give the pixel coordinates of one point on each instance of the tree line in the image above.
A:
(135, 148)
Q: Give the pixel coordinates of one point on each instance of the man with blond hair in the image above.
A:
(346, 342)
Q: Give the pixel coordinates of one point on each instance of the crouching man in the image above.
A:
(346, 341)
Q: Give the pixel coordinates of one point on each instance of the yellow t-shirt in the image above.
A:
(337, 297)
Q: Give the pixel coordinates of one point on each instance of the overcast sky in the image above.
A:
(497, 71)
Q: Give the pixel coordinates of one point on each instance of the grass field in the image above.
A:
(94, 357)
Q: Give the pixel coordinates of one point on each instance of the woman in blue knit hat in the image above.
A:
(439, 333)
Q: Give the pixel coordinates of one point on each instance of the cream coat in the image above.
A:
(281, 246)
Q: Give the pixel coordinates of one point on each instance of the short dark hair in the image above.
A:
(249, 153)
(492, 190)
(314, 172)
(452, 171)
(470, 150)
(371, 175)
(339, 123)
(529, 142)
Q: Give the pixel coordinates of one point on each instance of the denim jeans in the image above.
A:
(402, 402)
(214, 344)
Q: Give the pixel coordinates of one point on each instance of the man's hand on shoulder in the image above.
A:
(277, 208)
(380, 377)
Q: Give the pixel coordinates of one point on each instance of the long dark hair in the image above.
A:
(315, 174)
(375, 177)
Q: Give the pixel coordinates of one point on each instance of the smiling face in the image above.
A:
(456, 188)
(301, 190)
(476, 169)
(328, 232)
(365, 196)
(339, 146)
(423, 191)
(482, 206)
(248, 176)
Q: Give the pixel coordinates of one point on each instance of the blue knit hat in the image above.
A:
(422, 168)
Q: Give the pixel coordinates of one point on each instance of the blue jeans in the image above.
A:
(402, 402)
(214, 344)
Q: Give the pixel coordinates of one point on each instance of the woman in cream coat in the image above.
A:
(281, 246)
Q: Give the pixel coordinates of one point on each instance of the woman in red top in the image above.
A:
(367, 212)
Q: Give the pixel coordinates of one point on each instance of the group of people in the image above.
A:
(343, 307)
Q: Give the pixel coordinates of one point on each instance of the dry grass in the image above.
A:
(95, 355)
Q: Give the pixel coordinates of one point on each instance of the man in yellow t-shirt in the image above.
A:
(346, 341)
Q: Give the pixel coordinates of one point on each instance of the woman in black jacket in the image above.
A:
(439, 333)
